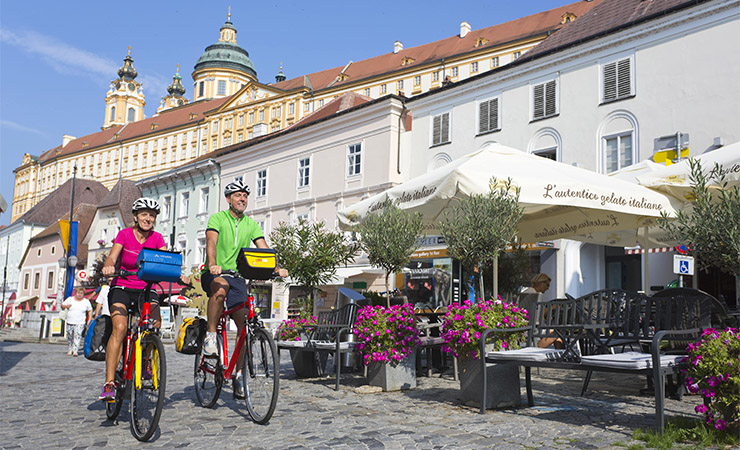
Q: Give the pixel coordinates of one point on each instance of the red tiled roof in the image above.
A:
(533, 25)
(604, 18)
(167, 119)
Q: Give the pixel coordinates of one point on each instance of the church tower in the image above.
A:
(175, 92)
(124, 102)
(223, 68)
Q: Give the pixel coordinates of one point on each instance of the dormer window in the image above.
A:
(481, 42)
(407, 60)
(154, 126)
(567, 18)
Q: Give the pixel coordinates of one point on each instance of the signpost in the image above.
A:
(683, 265)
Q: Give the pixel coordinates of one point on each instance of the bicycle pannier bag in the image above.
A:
(159, 265)
(256, 263)
(96, 338)
(190, 335)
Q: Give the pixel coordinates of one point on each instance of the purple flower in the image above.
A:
(720, 424)
(701, 409)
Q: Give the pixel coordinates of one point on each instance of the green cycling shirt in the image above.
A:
(233, 235)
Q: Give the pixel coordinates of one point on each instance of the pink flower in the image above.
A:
(701, 409)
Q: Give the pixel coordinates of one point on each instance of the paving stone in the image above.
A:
(49, 400)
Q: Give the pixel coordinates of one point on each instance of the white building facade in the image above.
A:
(598, 105)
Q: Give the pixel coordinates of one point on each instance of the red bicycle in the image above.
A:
(260, 365)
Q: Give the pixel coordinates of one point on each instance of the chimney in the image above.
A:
(66, 139)
(464, 29)
(397, 46)
(259, 129)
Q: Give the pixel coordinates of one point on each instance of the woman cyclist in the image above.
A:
(125, 290)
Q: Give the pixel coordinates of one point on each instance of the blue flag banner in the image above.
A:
(72, 252)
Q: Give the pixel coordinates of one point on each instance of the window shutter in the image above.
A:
(488, 116)
(483, 113)
(624, 85)
(436, 129)
(445, 134)
(493, 114)
(610, 81)
(539, 101)
(550, 98)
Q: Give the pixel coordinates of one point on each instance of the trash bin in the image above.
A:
(345, 297)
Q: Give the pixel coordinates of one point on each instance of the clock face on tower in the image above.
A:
(131, 86)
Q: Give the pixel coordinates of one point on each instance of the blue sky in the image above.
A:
(58, 58)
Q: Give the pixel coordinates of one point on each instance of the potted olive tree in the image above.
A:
(477, 229)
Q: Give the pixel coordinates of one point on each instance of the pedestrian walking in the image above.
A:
(79, 312)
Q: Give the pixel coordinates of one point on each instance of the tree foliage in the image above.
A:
(477, 228)
(95, 278)
(389, 238)
(711, 226)
(311, 253)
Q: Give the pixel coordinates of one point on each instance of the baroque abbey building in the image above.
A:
(230, 104)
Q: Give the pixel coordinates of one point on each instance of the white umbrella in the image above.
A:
(559, 200)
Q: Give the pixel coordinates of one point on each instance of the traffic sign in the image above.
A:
(683, 265)
(682, 249)
(82, 275)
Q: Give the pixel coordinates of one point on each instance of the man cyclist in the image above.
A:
(227, 233)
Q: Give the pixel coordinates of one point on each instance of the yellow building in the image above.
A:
(231, 105)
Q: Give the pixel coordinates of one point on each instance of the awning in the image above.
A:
(21, 300)
(351, 293)
(179, 300)
(639, 251)
(348, 272)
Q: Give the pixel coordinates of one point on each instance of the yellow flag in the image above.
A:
(64, 230)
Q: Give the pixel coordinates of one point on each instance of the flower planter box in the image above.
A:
(391, 377)
(305, 363)
(503, 388)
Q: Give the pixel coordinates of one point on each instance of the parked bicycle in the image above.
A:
(260, 365)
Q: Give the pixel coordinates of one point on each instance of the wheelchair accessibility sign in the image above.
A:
(683, 265)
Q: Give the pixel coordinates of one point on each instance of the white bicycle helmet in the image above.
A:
(145, 203)
(236, 186)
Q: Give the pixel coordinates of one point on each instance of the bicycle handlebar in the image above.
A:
(236, 274)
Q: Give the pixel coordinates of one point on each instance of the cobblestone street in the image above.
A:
(49, 400)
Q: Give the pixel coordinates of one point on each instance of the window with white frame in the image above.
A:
(167, 208)
(417, 80)
(383, 88)
(291, 109)
(251, 117)
(618, 151)
(304, 165)
(50, 280)
(399, 85)
(182, 246)
(204, 194)
(354, 159)
(516, 55)
(549, 153)
(261, 223)
(241, 120)
(544, 99)
(454, 71)
(37, 280)
(435, 75)
(306, 107)
(302, 217)
(201, 250)
(221, 87)
(262, 115)
(488, 115)
(441, 129)
(367, 92)
(616, 80)
(494, 61)
(261, 183)
(184, 204)
(321, 103)
(474, 66)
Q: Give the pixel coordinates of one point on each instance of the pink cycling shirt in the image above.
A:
(130, 252)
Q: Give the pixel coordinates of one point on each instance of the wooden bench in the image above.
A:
(327, 336)
(649, 320)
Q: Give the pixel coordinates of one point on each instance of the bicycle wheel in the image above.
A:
(261, 372)
(113, 408)
(208, 378)
(147, 398)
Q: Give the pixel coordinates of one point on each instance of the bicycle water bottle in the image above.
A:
(146, 312)
(250, 299)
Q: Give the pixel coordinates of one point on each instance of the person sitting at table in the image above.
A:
(529, 298)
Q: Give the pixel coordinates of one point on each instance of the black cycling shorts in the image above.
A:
(127, 297)
(237, 288)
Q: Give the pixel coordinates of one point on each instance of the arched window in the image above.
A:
(618, 135)
(131, 114)
(439, 160)
(112, 113)
(546, 143)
